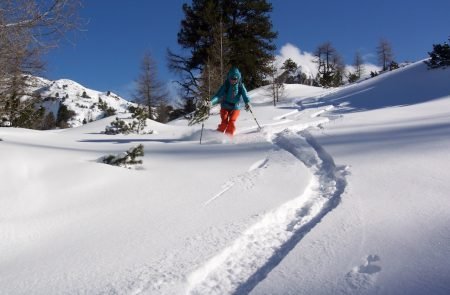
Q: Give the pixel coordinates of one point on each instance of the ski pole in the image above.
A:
(203, 125)
(259, 127)
(201, 133)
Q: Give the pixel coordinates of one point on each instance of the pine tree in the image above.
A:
(140, 115)
(290, 66)
(13, 88)
(247, 30)
(440, 56)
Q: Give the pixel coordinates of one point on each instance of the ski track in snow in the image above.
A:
(245, 263)
(257, 250)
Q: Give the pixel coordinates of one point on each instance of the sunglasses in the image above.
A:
(234, 79)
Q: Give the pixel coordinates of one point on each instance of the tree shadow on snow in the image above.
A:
(389, 138)
(130, 140)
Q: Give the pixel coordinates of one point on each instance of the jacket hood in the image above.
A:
(234, 72)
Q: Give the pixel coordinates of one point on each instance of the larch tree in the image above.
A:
(150, 92)
(385, 54)
(358, 64)
(276, 88)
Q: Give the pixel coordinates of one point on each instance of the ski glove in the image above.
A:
(247, 107)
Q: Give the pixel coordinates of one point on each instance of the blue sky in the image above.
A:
(107, 54)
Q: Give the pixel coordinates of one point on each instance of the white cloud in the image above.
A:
(305, 60)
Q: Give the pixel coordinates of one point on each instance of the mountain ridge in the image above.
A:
(87, 104)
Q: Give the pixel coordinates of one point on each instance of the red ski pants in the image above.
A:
(229, 118)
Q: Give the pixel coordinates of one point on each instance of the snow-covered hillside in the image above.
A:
(83, 101)
(343, 191)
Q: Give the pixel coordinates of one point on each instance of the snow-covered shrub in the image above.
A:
(140, 116)
(353, 77)
(125, 159)
(120, 127)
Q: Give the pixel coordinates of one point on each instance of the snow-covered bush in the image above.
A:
(120, 127)
(125, 159)
(139, 114)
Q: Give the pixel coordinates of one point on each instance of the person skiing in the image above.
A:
(229, 96)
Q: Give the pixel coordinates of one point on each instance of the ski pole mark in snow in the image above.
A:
(363, 277)
(226, 187)
(246, 179)
(259, 164)
(320, 112)
(282, 117)
(241, 266)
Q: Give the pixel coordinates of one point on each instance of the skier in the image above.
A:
(229, 96)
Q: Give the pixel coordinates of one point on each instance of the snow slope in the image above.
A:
(391, 233)
(336, 194)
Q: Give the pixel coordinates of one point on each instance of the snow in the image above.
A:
(343, 191)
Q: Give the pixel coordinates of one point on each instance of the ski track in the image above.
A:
(246, 262)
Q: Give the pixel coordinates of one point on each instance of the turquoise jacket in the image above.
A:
(229, 96)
